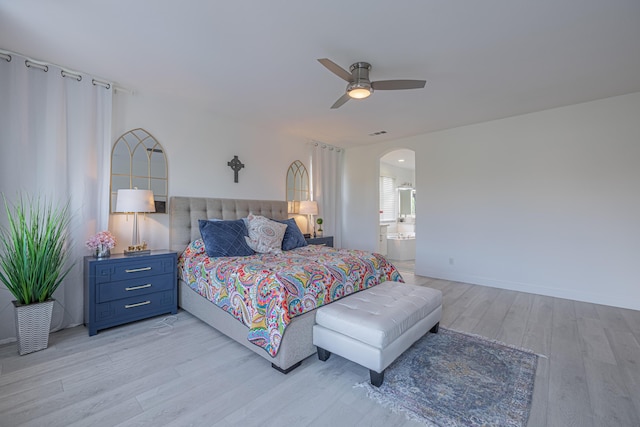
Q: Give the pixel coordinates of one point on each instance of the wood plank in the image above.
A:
(30, 396)
(568, 401)
(66, 408)
(451, 298)
(612, 318)
(585, 310)
(632, 318)
(594, 341)
(513, 325)
(473, 306)
(537, 334)
(172, 405)
(609, 397)
(145, 373)
(539, 404)
(492, 320)
(626, 349)
(43, 373)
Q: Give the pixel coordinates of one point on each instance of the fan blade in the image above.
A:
(398, 84)
(344, 98)
(336, 69)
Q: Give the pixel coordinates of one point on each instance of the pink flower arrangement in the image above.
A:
(103, 240)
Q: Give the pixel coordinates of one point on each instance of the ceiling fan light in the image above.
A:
(360, 92)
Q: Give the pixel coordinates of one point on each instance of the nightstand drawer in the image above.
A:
(134, 287)
(326, 241)
(135, 308)
(134, 268)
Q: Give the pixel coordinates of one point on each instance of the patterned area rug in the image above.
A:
(455, 379)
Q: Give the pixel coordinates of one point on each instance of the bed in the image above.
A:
(287, 350)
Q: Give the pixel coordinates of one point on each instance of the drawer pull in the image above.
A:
(135, 270)
(135, 288)
(137, 304)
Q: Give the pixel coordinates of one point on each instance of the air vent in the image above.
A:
(380, 132)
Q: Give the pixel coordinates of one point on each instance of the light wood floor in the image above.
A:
(177, 371)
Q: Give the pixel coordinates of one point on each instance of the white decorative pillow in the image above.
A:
(265, 236)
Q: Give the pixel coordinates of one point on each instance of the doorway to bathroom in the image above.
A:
(397, 239)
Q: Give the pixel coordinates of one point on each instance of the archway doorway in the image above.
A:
(397, 239)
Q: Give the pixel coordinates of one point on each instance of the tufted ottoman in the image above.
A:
(375, 326)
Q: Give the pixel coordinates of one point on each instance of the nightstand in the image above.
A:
(122, 289)
(326, 240)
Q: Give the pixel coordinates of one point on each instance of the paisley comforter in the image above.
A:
(265, 291)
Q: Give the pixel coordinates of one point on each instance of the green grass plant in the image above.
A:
(34, 249)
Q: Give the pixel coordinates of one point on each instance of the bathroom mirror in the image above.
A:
(406, 198)
(139, 161)
(297, 185)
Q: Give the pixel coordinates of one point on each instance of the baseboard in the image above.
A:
(620, 301)
(8, 340)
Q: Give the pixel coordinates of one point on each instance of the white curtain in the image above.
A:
(326, 187)
(55, 138)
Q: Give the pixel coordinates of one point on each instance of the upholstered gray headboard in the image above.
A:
(186, 211)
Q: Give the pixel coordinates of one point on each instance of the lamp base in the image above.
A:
(137, 249)
(141, 252)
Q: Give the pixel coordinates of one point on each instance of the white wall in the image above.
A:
(198, 145)
(546, 202)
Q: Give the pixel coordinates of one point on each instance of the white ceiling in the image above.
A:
(255, 60)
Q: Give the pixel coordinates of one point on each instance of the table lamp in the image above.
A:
(134, 201)
(310, 208)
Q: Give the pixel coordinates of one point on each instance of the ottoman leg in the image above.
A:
(435, 328)
(323, 354)
(376, 377)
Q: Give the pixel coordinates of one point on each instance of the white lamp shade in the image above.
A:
(308, 207)
(134, 200)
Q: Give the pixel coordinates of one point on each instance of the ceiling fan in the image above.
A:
(360, 86)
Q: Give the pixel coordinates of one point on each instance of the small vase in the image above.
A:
(103, 252)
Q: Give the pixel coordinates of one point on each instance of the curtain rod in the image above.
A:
(39, 66)
(30, 63)
(69, 74)
(325, 145)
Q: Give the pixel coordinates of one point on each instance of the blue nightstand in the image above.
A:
(326, 240)
(122, 289)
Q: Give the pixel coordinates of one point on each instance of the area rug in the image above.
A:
(454, 379)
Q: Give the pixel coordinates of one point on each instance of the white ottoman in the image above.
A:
(375, 326)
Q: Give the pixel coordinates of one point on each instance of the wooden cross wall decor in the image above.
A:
(235, 164)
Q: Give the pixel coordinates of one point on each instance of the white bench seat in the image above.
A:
(375, 326)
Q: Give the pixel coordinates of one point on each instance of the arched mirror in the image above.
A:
(138, 160)
(297, 185)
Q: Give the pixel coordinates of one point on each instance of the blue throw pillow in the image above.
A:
(225, 238)
(293, 237)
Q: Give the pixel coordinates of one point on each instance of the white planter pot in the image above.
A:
(33, 322)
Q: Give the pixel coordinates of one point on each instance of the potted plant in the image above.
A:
(33, 263)
(319, 221)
